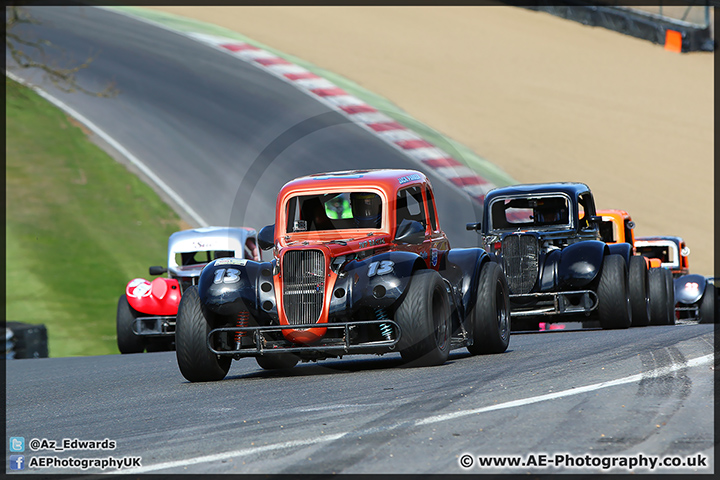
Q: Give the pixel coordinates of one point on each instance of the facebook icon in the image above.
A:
(17, 462)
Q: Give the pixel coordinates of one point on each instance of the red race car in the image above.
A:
(146, 312)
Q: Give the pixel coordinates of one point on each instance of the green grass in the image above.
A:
(79, 227)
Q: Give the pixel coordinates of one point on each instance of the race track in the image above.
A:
(200, 120)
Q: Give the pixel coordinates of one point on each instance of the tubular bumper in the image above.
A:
(154, 326)
(334, 345)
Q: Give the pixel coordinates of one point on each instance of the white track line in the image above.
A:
(426, 421)
(117, 146)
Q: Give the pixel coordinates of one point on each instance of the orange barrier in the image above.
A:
(673, 41)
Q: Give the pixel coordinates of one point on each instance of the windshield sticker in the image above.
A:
(371, 243)
(231, 261)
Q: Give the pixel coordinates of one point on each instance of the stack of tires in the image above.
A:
(27, 341)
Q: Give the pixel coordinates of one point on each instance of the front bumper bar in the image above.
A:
(333, 345)
(555, 303)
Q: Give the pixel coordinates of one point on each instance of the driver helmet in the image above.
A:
(552, 211)
(366, 209)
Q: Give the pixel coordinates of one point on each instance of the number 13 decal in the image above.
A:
(231, 275)
(380, 268)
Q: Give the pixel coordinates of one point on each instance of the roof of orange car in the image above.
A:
(610, 211)
(387, 179)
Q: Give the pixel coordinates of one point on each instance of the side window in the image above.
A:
(251, 249)
(586, 209)
(431, 209)
(628, 231)
(607, 231)
(410, 205)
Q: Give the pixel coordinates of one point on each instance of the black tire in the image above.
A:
(491, 315)
(670, 285)
(707, 304)
(127, 341)
(424, 320)
(197, 363)
(279, 361)
(638, 287)
(613, 296)
(657, 286)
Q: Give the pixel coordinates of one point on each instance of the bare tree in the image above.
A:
(30, 52)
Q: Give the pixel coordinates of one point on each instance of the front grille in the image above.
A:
(520, 262)
(303, 285)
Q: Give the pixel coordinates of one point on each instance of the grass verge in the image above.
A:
(79, 227)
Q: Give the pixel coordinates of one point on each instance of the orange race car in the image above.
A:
(360, 265)
(651, 287)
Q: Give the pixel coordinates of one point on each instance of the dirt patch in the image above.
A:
(544, 98)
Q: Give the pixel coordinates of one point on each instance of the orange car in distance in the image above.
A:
(646, 277)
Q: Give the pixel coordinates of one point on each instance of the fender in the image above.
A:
(624, 249)
(378, 281)
(580, 263)
(160, 297)
(689, 288)
(463, 268)
(229, 285)
(549, 274)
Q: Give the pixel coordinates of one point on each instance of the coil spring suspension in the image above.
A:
(243, 320)
(385, 328)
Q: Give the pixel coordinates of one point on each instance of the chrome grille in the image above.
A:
(520, 262)
(303, 285)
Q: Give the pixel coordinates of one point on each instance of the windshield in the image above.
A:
(334, 211)
(523, 213)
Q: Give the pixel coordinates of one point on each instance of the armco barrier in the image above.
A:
(656, 28)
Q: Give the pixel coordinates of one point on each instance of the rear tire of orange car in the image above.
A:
(659, 302)
(127, 341)
(613, 296)
(424, 320)
(278, 361)
(638, 286)
(491, 315)
(197, 363)
(707, 304)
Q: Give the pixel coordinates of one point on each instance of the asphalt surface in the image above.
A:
(200, 120)
(369, 414)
